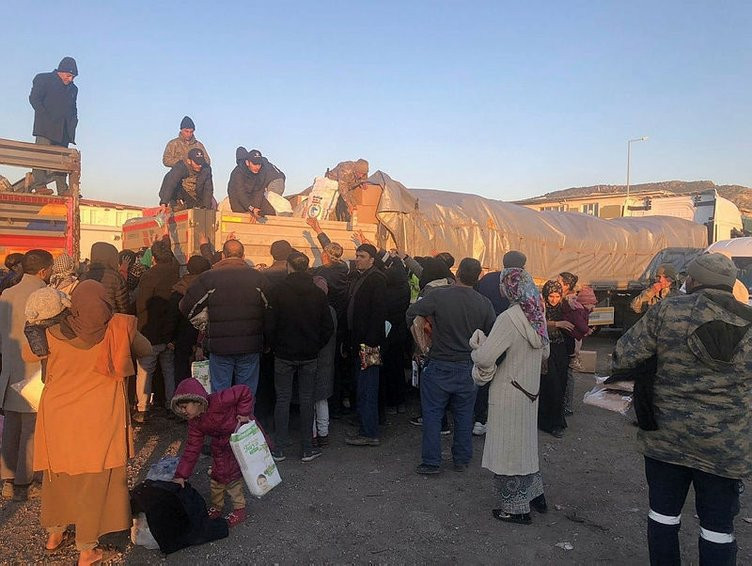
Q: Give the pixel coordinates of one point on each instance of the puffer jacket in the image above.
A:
(702, 390)
(235, 295)
(246, 188)
(219, 421)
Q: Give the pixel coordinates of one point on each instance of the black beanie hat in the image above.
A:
(186, 122)
(67, 65)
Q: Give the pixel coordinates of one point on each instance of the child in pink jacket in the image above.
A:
(217, 416)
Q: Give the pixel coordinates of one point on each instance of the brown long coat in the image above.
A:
(83, 426)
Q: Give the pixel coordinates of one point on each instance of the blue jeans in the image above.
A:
(716, 503)
(442, 385)
(367, 381)
(243, 367)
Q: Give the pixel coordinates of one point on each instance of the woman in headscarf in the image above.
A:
(554, 381)
(63, 276)
(82, 436)
(105, 269)
(510, 358)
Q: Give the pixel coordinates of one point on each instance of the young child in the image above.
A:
(216, 415)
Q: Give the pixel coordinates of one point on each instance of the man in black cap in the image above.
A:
(188, 184)
(178, 148)
(53, 97)
(249, 182)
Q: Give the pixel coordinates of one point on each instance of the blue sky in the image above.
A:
(506, 100)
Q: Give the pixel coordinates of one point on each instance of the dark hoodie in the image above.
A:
(246, 188)
(302, 322)
(104, 268)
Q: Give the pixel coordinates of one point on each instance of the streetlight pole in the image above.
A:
(629, 159)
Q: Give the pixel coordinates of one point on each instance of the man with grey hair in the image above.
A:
(701, 344)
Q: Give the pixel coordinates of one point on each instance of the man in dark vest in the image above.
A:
(53, 97)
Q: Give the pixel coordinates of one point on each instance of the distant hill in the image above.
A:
(741, 196)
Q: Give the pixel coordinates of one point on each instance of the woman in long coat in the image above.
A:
(510, 358)
(82, 436)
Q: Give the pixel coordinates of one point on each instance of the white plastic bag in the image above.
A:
(31, 389)
(322, 198)
(200, 371)
(611, 400)
(140, 533)
(255, 459)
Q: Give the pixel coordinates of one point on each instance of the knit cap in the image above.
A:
(713, 270)
(68, 65)
(44, 304)
(186, 122)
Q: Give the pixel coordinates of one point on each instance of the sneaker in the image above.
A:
(427, 470)
(362, 441)
(214, 513)
(278, 455)
(417, 421)
(557, 433)
(460, 467)
(520, 519)
(27, 492)
(9, 490)
(568, 412)
(322, 440)
(479, 429)
(236, 517)
(311, 455)
(446, 431)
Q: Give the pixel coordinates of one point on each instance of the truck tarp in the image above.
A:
(603, 253)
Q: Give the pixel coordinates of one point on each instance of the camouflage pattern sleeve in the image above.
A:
(639, 343)
(171, 154)
(643, 299)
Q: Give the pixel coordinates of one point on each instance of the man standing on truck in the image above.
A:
(663, 286)
(177, 149)
(53, 97)
(249, 182)
(189, 183)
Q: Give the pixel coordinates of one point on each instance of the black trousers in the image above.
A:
(716, 502)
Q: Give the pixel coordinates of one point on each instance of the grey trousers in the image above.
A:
(17, 454)
(41, 177)
(284, 373)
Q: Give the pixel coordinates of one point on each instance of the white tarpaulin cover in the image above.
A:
(601, 252)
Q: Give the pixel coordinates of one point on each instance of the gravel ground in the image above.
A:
(367, 505)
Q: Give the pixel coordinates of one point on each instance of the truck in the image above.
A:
(36, 221)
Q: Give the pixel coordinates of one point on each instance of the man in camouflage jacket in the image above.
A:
(664, 286)
(703, 345)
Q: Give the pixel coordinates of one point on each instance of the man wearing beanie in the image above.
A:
(702, 345)
(251, 180)
(53, 97)
(177, 149)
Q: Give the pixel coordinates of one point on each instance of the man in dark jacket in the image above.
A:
(249, 181)
(277, 271)
(53, 97)
(366, 315)
(702, 342)
(188, 184)
(234, 295)
(302, 326)
(186, 335)
(457, 312)
(156, 324)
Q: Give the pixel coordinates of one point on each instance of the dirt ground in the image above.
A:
(367, 505)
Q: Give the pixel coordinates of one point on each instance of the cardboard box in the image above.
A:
(588, 360)
(601, 316)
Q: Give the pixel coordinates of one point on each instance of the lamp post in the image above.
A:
(629, 161)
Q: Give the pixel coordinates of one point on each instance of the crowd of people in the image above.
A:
(492, 351)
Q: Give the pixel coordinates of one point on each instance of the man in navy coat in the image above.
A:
(53, 97)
